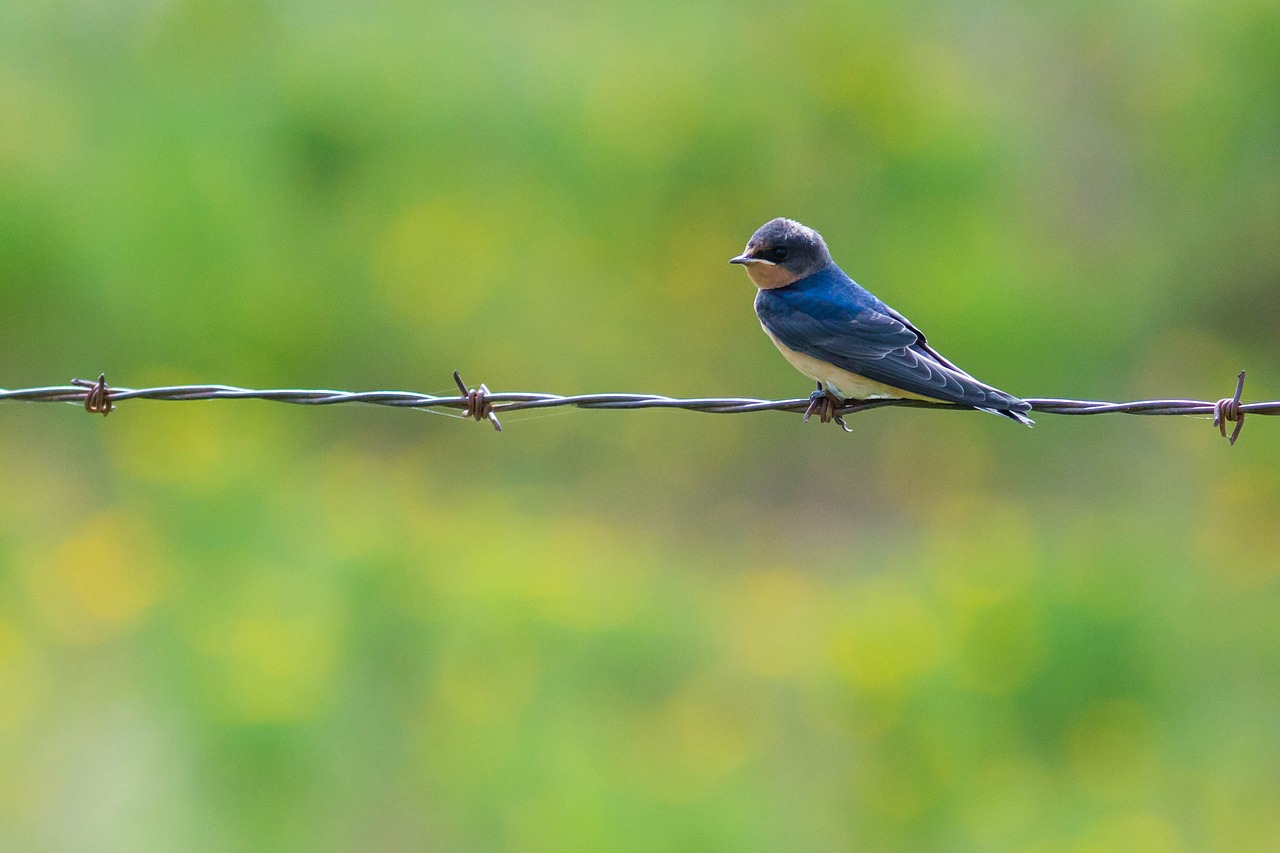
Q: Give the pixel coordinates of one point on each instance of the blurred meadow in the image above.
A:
(248, 626)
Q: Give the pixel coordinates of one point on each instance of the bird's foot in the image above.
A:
(825, 404)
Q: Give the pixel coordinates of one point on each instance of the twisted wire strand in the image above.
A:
(482, 404)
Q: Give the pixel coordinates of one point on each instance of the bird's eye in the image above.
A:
(780, 253)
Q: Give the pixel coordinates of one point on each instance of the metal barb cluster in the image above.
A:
(478, 405)
(97, 401)
(1228, 409)
(484, 405)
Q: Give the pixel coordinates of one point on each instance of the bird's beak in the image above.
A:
(747, 259)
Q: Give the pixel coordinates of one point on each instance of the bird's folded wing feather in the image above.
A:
(871, 343)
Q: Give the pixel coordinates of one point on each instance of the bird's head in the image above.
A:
(782, 251)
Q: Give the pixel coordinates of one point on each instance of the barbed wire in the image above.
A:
(484, 405)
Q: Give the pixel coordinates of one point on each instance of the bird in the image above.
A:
(846, 339)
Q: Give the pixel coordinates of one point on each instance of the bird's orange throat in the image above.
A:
(768, 276)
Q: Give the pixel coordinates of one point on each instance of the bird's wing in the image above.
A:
(860, 338)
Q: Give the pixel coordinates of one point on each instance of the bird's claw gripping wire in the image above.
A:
(826, 405)
(476, 404)
(98, 399)
(1228, 409)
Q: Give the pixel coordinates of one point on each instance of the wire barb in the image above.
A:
(97, 401)
(1228, 409)
(476, 402)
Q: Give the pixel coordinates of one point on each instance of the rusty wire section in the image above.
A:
(483, 405)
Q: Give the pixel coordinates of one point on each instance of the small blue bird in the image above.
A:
(839, 334)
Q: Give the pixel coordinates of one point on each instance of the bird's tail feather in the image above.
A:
(1011, 414)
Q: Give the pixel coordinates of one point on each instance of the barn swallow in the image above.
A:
(839, 334)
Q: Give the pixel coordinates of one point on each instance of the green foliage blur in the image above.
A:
(247, 626)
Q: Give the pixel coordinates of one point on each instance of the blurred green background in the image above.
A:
(247, 626)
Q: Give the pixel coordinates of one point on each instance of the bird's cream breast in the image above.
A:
(845, 384)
